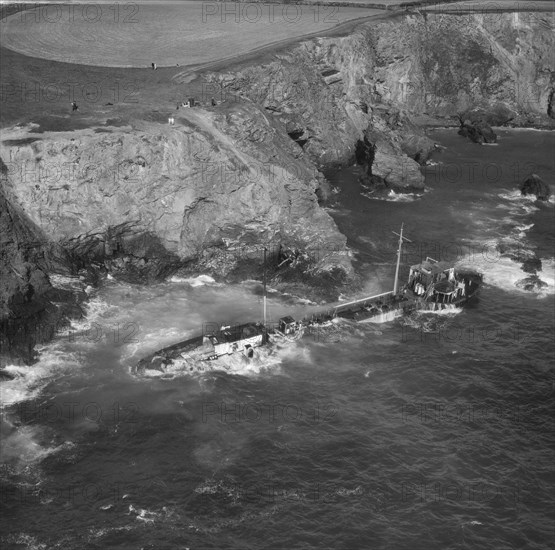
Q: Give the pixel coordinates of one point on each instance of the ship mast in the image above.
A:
(396, 281)
(264, 284)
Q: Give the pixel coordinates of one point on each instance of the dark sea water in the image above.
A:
(431, 432)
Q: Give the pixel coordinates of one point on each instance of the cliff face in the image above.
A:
(443, 64)
(214, 180)
(385, 76)
(31, 308)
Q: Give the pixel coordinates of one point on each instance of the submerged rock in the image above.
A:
(5, 375)
(532, 265)
(534, 185)
(531, 284)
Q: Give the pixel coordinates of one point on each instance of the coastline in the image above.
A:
(313, 128)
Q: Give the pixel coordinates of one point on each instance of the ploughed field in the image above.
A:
(166, 33)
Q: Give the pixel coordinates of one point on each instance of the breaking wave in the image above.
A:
(507, 274)
(201, 280)
(28, 382)
(527, 202)
(266, 359)
(393, 197)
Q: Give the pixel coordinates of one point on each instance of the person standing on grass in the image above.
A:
(74, 106)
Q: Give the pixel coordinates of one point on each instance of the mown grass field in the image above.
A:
(39, 89)
(168, 34)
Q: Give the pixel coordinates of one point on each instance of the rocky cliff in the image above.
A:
(145, 199)
(32, 309)
(214, 180)
(386, 79)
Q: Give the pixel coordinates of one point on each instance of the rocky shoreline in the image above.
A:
(140, 200)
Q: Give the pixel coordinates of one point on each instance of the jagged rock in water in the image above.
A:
(531, 284)
(478, 132)
(496, 115)
(532, 265)
(418, 148)
(385, 167)
(534, 185)
(5, 376)
(126, 252)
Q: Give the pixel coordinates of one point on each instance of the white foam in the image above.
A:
(30, 542)
(448, 312)
(201, 280)
(151, 341)
(505, 273)
(95, 309)
(523, 229)
(393, 197)
(529, 203)
(547, 275)
(267, 358)
(29, 380)
(22, 446)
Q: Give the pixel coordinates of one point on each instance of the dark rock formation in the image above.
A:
(385, 166)
(418, 147)
(442, 64)
(534, 185)
(5, 375)
(32, 310)
(124, 251)
(532, 265)
(531, 284)
(478, 132)
(495, 115)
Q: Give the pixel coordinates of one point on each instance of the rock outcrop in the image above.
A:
(534, 185)
(387, 167)
(31, 308)
(478, 132)
(386, 77)
(146, 200)
(443, 64)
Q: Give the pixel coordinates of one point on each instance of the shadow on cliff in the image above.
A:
(32, 310)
